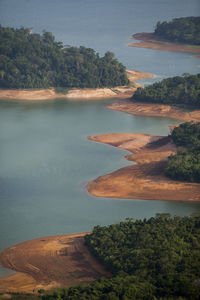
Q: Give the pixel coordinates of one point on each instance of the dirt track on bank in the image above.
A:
(49, 262)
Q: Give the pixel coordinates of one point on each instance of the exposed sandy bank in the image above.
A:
(84, 94)
(49, 262)
(145, 180)
(150, 41)
(155, 110)
(133, 76)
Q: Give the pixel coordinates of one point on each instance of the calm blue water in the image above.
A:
(45, 157)
(107, 25)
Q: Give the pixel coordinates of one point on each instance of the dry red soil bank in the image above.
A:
(49, 262)
(155, 110)
(150, 41)
(145, 180)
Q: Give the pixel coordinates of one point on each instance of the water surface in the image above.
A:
(107, 25)
(46, 160)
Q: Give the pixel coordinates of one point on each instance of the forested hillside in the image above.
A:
(157, 258)
(31, 60)
(181, 90)
(185, 165)
(185, 30)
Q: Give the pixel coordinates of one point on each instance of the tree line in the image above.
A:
(185, 165)
(31, 60)
(150, 259)
(185, 30)
(182, 90)
(158, 258)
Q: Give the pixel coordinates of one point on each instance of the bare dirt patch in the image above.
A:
(145, 180)
(155, 110)
(49, 262)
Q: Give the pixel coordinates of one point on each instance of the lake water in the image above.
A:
(45, 157)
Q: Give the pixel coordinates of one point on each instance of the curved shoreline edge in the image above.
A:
(146, 179)
(150, 41)
(41, 264)
(78, 94)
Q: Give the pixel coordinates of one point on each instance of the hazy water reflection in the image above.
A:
(46, 160)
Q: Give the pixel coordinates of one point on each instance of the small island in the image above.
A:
(179, 35)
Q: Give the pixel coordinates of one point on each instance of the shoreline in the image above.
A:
(41, 263)
(78, 94)
(49, 262)
(150, 41)
(155, 110)
(144, 180)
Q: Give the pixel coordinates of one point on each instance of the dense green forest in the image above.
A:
(158, 258)
(31, 60)
(184, 30)
(185, 165)
(181, 90)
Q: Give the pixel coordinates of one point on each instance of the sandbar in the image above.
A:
(150, 41)
(78, 94)
(146, 179)
(49, 262)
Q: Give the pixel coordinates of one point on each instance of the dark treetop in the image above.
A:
(182, 90)
(31, 60)
(157, 258)
(185, 165)
(185, 30)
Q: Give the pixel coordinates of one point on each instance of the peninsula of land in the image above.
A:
(41, 264)
(78, 94)
(150, 41)
(146, 179)
(155, 110)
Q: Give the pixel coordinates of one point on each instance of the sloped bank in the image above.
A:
(80, 94)
(146, 179)
(49, 262)
(149, 41)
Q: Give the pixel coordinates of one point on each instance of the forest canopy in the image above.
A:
(185, 165)
(31, 60)
(150, 259)
(158, 258)
(182, 90)
(185, 30)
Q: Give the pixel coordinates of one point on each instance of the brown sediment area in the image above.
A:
(49, 262)
(150, 41)
(80, 94)
(155, 110)
(144, 180)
